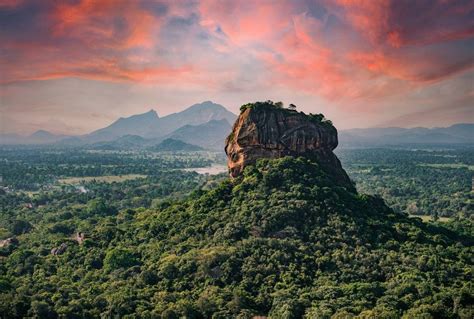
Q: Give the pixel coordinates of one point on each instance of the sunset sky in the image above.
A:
(75, 66)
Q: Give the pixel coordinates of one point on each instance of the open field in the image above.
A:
(105, 179)
(211, 170)
(426, 219)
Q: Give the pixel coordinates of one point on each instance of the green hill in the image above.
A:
(282, 240)
(173, 145)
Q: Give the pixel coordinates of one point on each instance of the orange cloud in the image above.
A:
(306, 62)
(290, 42)
(97, 23)
(109, 72)
(90, 39)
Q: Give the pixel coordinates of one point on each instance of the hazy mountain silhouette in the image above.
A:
(455, 134)
(172, 145)
(205, 123)
(139, 124)
(196, 114)
(149, 125)
(210, 135)
(127, 142)
(38, 137)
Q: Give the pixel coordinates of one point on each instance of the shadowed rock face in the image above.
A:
(272, 132)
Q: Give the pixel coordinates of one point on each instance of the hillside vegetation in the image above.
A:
(282, 240)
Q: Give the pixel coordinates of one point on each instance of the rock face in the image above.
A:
(80, 237)
(59, 250)
(267, 131)
(8, 242)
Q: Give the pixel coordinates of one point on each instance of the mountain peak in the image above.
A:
(150, 125)
(151, 114)
(42, 133)
(206, 105)
(173, 145)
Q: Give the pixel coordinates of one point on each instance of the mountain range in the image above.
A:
(455, 134)
(210, 135)
(38, 137)
(206, 125)
(150, 125)
(201, 124)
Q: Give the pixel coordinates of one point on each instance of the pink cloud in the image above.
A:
(10, 3)
(95, 23)
(341, 49)
(399, 22)
(246, 22)
(109, 71)
(411, 66)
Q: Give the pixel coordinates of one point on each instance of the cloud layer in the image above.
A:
(350, 55)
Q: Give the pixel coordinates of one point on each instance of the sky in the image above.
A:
(74, 66)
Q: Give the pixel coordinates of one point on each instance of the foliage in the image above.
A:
(320, 119)
(270, 105)
(119, 258)
(283, 240)
(18, 227)
(34, 169)
(99, 207)
(434, 182)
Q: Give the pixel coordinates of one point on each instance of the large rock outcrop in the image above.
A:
(265, 130)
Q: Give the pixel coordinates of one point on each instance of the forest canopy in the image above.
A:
(282, 241)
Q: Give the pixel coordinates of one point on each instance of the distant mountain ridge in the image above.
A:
(139, 125)
(146, 129)
(130, 142)
(462, 133)
(150, 125)
(210, 135)
(38, 137)
(207, 124)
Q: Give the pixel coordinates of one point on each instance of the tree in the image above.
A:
(119, 258)
(99, 207)
(19, 227)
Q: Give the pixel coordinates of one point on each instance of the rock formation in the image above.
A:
(59, 250)
(80, 237)
(266, 130)
(8, 242)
